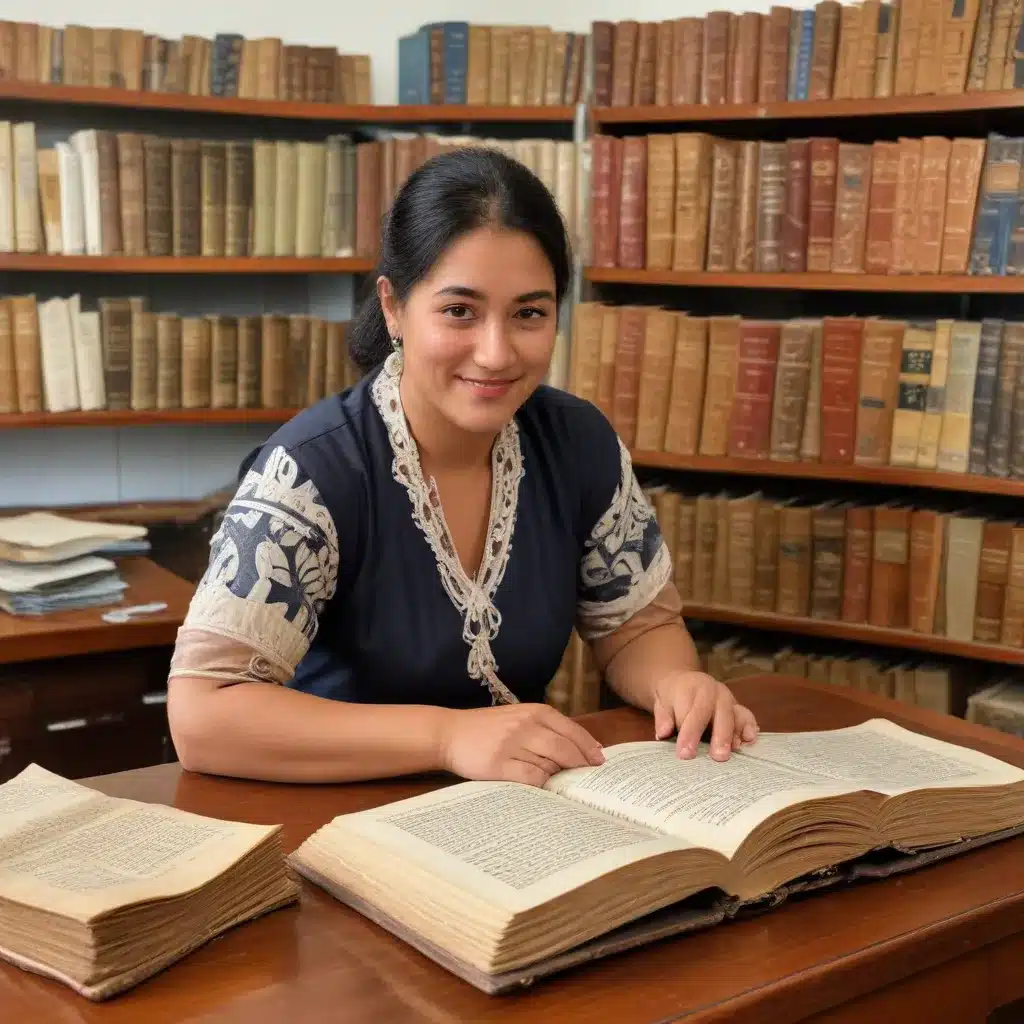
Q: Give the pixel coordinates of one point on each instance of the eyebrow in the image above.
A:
(462, 292)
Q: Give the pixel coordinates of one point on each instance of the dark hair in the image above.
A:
(444, 199)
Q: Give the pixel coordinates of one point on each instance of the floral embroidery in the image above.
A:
(625, 562)
(273, 566)
(473, 598)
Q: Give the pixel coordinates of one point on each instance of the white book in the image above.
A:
(57, 352)
(6, 188)
(84, 143)
(85, 331)
(72, 215)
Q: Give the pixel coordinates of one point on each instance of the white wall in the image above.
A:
(75, 466)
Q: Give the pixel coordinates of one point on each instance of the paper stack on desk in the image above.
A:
(53, 563)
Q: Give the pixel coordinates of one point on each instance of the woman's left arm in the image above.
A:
(630, 613)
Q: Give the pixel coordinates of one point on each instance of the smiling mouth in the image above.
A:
(504, 382)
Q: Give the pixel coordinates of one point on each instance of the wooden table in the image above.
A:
(943, 945)
(82, 696)
(63, 634)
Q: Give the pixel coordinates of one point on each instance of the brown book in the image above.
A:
(602, 34)
(846, 56)
(633, 203)
(369, 160)
(791, 389)
(964, 541)
(238, 197)
(1012, 630)
(966, 159)
(655, 379)
(623, 62)
(335, 358)
(144, 360)
(663, 64)
(722, 213)
(857, 559)
(586, 349)
(628, 359)
(248, 380)
(693, 200)
(720, 556)
(645, 71)
(605, 186)
(686, 541)
(274, 374)
(771, 205)
(661, 201)
(842, 339)
(687, 60)
(8, 366)
(686, 399)
(927, 547)
(298, 360)
(751, 415)
(607, 347)
(993, 577)
(849, 234)
(317, 368)
(132, 188)
(931, 203)
(824, 49)
(28, 353)
(824, 157)
(741, 555)
(1001, 433)
(714, 85)
(223, 332)
(747, 189)
(168, 361)
(774, 66)
(744, 73)
(158, 195)
(186, 198)
(885, 53)
(766, 556)
(795, 560)
(928, 52)
(828, 541)
(912, 393)
(213, 182)
(905, 218)
(890, 568)
(795, 220)
(116, 334)
(723, 348)
(196, 363)
(885, 158)
(879, 380)
(911, 12)
(704, 545)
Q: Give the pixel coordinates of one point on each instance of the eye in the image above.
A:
(458, 312)
(531, 313)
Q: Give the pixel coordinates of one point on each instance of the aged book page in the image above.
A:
(718, 805)
(507, 845)
(69, 850)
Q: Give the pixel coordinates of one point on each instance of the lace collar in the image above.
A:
(472, 597)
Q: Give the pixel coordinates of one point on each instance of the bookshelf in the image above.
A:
(183, 264)
(143, 417)
(730, 202)
(42, 93)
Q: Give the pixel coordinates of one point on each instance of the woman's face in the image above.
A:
(479, 330)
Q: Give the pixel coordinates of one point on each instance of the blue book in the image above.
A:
(414, 68)
(803, 59)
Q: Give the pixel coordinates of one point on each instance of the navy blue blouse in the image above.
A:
(334, 567)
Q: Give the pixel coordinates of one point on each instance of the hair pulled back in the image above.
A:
(447, 197)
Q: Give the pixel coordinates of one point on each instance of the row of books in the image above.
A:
(109, 193)
(57, 357)
(491, 65)
(694, 202)
(226, 65)
(829, 51)
(957, 575)
(943, 395)
(994, 698)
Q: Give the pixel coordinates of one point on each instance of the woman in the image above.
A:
(396, 579)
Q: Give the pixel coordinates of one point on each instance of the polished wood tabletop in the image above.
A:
(941, 944)
(64, 634)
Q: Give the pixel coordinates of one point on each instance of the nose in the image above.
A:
(494, 351)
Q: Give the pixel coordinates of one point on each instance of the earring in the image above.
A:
(393, 364)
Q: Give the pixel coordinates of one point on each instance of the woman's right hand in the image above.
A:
(525, 743)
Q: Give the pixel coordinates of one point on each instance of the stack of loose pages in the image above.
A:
(53, 563)
(102, 893)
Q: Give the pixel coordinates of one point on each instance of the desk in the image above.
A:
(82, 696)
(942, 946)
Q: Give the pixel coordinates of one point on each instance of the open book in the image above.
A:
(101, 893)
(493, 880)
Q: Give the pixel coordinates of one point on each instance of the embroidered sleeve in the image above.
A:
(273, 566)
(625, 563)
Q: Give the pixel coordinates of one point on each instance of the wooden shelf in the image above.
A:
(857, 632)
(185, 264)
(893, 106)
(967, 483)
(93, 96)
(960, 283)
(142, 418)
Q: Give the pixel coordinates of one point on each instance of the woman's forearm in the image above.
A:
(634, 670)
(263, 731)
